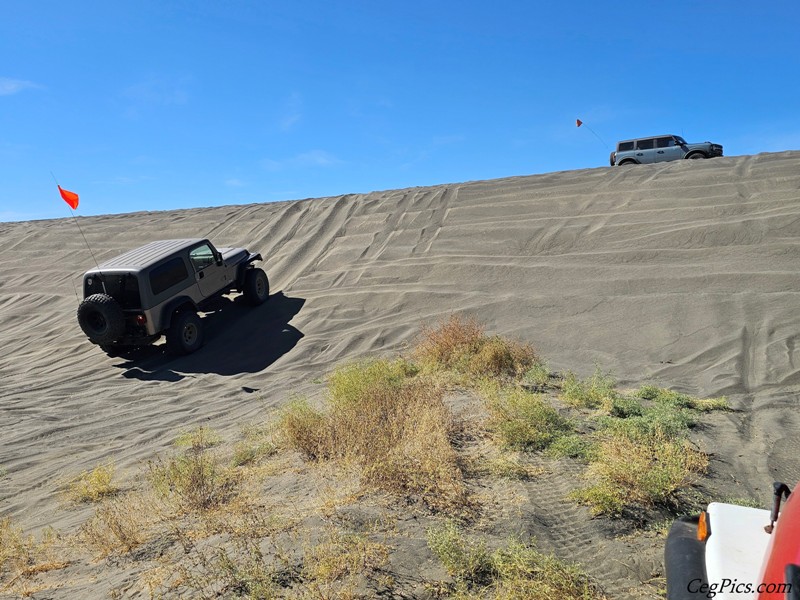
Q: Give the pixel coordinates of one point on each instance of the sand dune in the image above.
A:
(683, 273)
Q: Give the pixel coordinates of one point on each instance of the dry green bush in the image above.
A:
(339, 555)
(523, 420)
(119, 525)
(91, 486)
(596, 391)
(199, 438)
(516, 571)
(195, 481)
(23, 556)
(397, 432)
(639, 469)
(672, 398)
(459, 344)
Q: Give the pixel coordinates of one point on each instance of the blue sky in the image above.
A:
(163, 104)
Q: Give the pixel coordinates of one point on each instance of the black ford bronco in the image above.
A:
(133, 299)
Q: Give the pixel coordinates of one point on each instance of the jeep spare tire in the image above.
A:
(256, 286)
(101, 318)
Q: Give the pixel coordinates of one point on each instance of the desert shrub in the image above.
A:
(91, 486)
(523, 420)
(538, 375)
(195, 480)
(522, 572)
(497, 356)
(464, 559)
(351, 381)
(257, 443)
(397, 430)
(593, 392)
(641, 469)
(665, 420)
(572, 446)
(199, 438)
(451, 344)
(305, 429)
(338, 555)
(459, 344)
(23, 556)
(516, 571)
(118, 525)
(673, 398)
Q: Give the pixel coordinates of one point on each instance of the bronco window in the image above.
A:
(625, 147)
(665, 142)
(165, 276)
(645, 144)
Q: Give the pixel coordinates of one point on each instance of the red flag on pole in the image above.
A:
(70, 198)
(578, 122)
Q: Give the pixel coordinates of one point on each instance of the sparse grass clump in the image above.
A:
(596, 391)
(524, 420)
(118, 526)
(672, 398)
(642, 469)
(538, 376)
(23, 556)
(516, 571)
(91, 486)
(396, 430)
(341, 555)
(460, 345)
(195, 480)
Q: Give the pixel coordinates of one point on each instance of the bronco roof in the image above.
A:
(142, 257)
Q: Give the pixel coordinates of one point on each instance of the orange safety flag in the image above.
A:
(578, 122)
(70, 198)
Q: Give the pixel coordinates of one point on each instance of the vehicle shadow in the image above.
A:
(239, 339)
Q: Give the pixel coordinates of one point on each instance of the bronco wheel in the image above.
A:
(697, 155)
(185, 335)
(101, 318)
(256, 287)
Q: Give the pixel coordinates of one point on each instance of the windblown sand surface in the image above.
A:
(682, 274)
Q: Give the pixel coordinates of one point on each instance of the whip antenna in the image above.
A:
(71, 198)
(579, 123)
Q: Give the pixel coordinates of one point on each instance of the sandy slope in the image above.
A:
(683, 274)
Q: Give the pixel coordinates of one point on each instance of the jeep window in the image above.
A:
(665, 142)
(201, 257)
(624, 146)
(165, 276)
(679, 140)
(645, 144)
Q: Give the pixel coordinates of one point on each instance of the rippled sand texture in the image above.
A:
(684, 273)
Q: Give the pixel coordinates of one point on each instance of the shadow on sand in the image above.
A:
(238, 339)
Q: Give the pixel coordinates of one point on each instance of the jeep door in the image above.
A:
(645, 150)
(667, 149)
(210, 276)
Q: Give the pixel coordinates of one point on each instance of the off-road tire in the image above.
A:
(696, 155)
(185, 334)
(627, 162)
(101, 319)
(256, 286)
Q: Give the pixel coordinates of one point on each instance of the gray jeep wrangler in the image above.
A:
(661, 148)
(133, 299)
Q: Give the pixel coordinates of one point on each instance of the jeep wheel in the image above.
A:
(101, 318)
(185, 335)
(256, 287)
(697, 155)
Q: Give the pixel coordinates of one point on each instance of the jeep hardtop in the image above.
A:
(158, 289)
